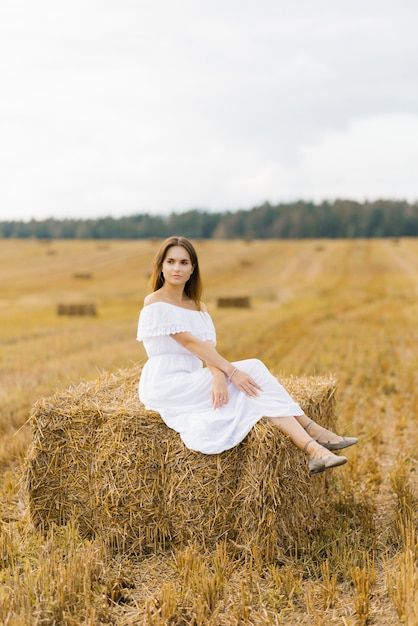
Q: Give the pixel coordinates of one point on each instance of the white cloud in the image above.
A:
(377, 156)
(115, 106)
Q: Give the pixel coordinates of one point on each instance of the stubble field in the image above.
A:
(349, 307)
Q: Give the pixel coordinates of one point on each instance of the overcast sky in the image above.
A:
(115, 107)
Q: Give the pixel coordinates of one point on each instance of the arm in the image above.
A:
(207, 352)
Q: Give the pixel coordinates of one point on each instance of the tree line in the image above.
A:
(295, 220)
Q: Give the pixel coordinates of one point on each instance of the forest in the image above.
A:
(338, 219)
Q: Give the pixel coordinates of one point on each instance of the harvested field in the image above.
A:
(346, 309)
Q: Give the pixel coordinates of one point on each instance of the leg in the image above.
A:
(298, 435)
(320, 458)
(325, 437)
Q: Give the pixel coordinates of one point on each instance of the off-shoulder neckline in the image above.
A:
(177, 306)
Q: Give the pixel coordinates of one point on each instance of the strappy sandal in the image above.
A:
(316, 466)
(345, 442)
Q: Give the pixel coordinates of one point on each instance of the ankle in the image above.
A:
(320, 433)
(308, 426)
(318, 451)
(314, 449)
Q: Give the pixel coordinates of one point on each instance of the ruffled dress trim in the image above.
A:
(161, 318)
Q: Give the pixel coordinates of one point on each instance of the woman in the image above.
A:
(212, 408)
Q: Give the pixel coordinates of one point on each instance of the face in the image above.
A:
(177, 266)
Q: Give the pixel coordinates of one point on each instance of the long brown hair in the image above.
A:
(193, 288)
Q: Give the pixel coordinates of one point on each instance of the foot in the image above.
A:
(344, 442)
(328, 439)
(321, 459)
(316, 466)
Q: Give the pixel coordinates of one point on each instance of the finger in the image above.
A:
(220, 401)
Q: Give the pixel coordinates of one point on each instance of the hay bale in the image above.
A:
(97, 456)
(81, 308)
(238, 302)
(82, 275)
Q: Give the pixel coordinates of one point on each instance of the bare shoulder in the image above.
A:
(151, 298)
(187, 303)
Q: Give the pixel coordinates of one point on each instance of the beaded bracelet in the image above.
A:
(233, 372)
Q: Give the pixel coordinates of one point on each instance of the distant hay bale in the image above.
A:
(82, 275)
(239, 302)
(81, 308)
(97, 456)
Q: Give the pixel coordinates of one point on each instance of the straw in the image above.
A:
(99, 458)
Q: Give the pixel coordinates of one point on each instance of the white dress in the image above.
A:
(174, 383)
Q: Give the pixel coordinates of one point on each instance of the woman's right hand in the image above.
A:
(219, 389)
(246, 384)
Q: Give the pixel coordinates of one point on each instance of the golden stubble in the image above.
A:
(344, 307)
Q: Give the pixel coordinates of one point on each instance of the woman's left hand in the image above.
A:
(245, 383)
